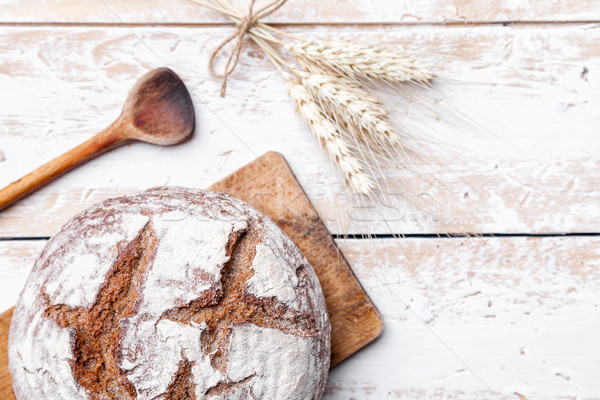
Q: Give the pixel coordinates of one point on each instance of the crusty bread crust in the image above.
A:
(172, 293)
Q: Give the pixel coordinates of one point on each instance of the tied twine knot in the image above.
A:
(243, 26)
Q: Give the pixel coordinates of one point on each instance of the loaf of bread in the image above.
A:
(172, 293)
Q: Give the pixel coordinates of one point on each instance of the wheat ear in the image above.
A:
(330, 137)
(354, 109)
(357, 60)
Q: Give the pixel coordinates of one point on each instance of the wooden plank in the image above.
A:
(17, 259)
(517, 313)
(268, 184)
(309, 11)
(521, 104)
(478, 318)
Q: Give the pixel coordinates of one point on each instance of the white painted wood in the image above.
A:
(521, 104)
(16, 260)
(478, 318)
(475, 318)
(305, 11)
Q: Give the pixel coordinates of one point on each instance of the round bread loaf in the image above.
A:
(172, 293)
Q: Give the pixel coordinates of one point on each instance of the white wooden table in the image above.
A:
(509, 309)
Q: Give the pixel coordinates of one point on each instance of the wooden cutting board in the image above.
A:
(270, 186)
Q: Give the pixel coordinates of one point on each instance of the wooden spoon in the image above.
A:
(158, 110)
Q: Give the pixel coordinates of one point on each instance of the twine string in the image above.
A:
(243, 26)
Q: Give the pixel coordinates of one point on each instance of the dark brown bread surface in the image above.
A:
(170, 294)
(97, 330)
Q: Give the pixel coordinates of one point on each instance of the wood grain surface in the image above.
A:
(6, 390)
(269, 185)
(305, 11)
(515, 107)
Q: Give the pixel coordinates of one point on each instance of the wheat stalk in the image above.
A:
(357, 60)
(331, 138)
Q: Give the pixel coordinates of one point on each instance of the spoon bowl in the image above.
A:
(159, 109)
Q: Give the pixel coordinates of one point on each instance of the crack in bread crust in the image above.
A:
(97, 331)
(223, 387)
(232, 305)
(183, 386)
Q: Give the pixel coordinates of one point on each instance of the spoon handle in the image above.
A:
(109, 138)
